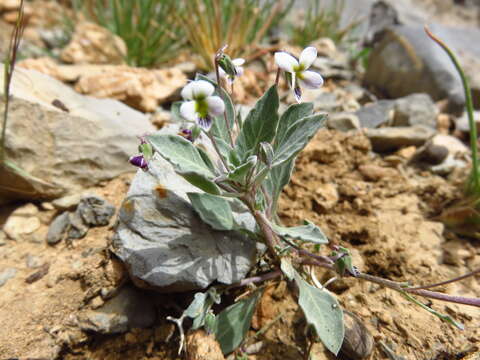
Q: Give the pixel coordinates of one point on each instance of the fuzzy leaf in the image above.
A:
(308, 232)
(240, 173)
(214, 210)
(232, 324)
(199, 307)
(186, 160)
(297, 137)
(323, 311)
(291, 116)
(260, 124)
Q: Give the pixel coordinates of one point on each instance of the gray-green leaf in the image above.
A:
(297, 137)
(214, 210)
(260, 124)
(323, 311)
(291, 116)
(240, 173)
(186, 160)
(232, 324)
(308, 232)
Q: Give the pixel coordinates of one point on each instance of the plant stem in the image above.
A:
(215, 146)
(271, 239)
(254, 279)
(469, 104)
(472, 273)
(400, 287)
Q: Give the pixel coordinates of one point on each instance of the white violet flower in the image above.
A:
(238, 69)
(201, 106)
(297, 72)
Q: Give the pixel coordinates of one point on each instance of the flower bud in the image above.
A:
(266, 153)
(139, 161)
(227, 65)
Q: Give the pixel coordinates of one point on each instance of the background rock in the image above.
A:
(130, 308)
(93, 44)
(376, 114)
(67, 150)
(415, 109)
(165, 244)
(394, 138)
(407, 61)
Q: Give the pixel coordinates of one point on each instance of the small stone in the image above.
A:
(375, 173)
(462, 124)
(407, 152)
(77, 228)
(326, 196)
(202, 346)
(130, 308)
(26, 210)
(33, 261)
(69, 202)
(393, 138)
(7, 274)
(18, 225)
(431, 154)
(96, 302)
(453, 144)
(47, 206)
(376, 114)
(343, 121)
(95, 211)
(58, 228)
(358, 342)
(415, 109)
(443, 123)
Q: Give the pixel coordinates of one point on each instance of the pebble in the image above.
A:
(415, 109)
(58, 228)
(7, 274)
(431, 153)
(130, 308)
(18, 225)
(393, 138)
(68, 202)
(376, 114)
(95, 211)
(326, 196)
(343, 121)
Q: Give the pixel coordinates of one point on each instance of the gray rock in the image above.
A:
(448, 166)
(374, 115)
(358, 342)
(333, 68)
(406, 61)
(453, 144)
(431, 154)
(326, 101)
(343, 121)
(64, 151)
(130, 308)
(95, 211)
(415, 109)
(77, 228)
(58, 228)
(463, 125)
(164, 243)
(393, 138)
(7, 274)
(68, 202)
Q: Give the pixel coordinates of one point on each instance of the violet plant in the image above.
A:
(251, 162)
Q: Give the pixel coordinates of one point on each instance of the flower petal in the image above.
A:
(216, 106)
(285, 61)
(139, 161)
(202, 89)
(297, 91)
(311, 79)
(308, 56)
(187, 91)
(222, 73)
(187, 110)
(239, 70)
(238, 61)
(205, 123)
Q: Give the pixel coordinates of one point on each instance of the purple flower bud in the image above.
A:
(187, 134)
(139, 161)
